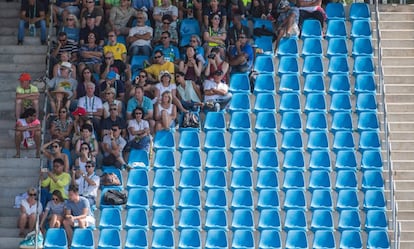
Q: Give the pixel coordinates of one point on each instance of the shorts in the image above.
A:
(90, 221)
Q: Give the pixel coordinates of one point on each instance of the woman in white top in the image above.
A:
(84, 156)
(28, 209)
(166, 85)
(53, 211)
(165, 112)
(110, 94)
(139, 132)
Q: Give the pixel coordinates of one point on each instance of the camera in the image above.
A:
(44, 170)
(211, 56)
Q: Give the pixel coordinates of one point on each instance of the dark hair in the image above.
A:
(88, 127)
(59, 161)
(58, 194)
(62, 33)
(139, 87)
(166, 32)
(139, 109)
(180, 73)
(159, 51)
(167, 17)
(74, 188)
(82, 79)
(84, 143)
(28, 113)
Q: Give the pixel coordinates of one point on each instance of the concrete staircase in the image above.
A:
(16, 175)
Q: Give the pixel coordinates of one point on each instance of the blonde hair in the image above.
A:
(168, 93)
(77, 25)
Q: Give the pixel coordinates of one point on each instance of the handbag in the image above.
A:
(115, 197)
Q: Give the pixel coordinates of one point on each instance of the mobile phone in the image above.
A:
(44, 170)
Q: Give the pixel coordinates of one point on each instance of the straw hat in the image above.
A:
(60, 90)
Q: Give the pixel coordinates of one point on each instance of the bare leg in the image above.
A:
(67, 224)
(32, 222)
(37, 141)
(18, 138)
(19, 108)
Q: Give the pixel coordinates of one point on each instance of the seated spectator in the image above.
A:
(170, 51)
(188, 92)
(191, 66)
(165, 112)
(237, 30)
(165, 27)
(138, 132)
(91, 54)
(53, 150)
(27, 95)
(116, 59)
(287, 21)
(53, 212)
(29, 208)
(241, 56)
(77, 212)
(139, 100)
(214, 9)
(71, 27)
(214, 36)
(87, 181)
(57, 179)
(84, 156)
(27, 132)
(112, 81)
(166, 85)
(86, 137)
(93, 106)
(311, 10)
(140, 36)
(62, 127)
(32, 12)
(160, 64)
(216, 62)
(80, 118)
(110, 94)
(90, 9)
(63, 81)
(112, 146)
(260, 10)
(108, 5)
(64, 57)
(165, 8)
(119, 17)
(91, 27)
(195, 42)
(186, 9)
(63, 45)
(62, 9)
(142, 80)
(216, 93)
(86, 77)
(59, 99)
(143, 5)
(114, 118)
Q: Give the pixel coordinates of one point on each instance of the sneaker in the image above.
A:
(19, 43)
(217, 107)
(29, 241)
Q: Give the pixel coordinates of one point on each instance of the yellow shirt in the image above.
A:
(155, 70)
(61, 184)
(117, 50)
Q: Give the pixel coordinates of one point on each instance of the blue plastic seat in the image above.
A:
(374, 199)
(240, 121)
(214, 140)
(316, 121)
(241, 179)
(288, 65)
(350, 239)
(163, 178)
(343, 140)
(289, 102)
(320, 160)
(336, 29)
(136, 218)
(137, 198)
(243, 239)
(82, 239)
(345, 160)
(321, 199)
(362, 47)
(190, 178)
(216, 159)
(55, 238)
(136, 239)
(361, 29)
(216, 219)
(137, 178)
(366, 102)
(164, 159)
(376, 220)
(265, 43)
(189, 238)
(189, 198)
(371, 160)
(215, 179)
(347, 199)
(239, 83)
(363, 65)
(294, 199)
(315, 102)
(215, 121)
(163, 198)
(296, 239)
(287, 47)
(216, 198)
(163, 218)
(266, 140)
(270, 239)
(190, 159)
(268, 199)
(349, 220)
(109, 238)
(339, 83)
(323, 239)
(242, 199)
(265, 102)
(365, 83)
(368, 121)
(164, 140)
(242, 219)
(189, 219)
(263, 63)
(269, 219)
(291, 140)
(110, 218)
(295, 219)
(346, 179)
(369, 140)
(337, 47)
(341, 121)
(267, 159)
(317, 140)
(138, 62)
(239, 102)
(163, 239)
(289, 83)
(359, 11)
(338, 64)
(138, 158)
(189, 139)
(314, 83)
(264, 83)
(312, 65)
(240, 140)
(216, 239)
(265, 121)
(262, 23)
(267, 179)
(319, 179)
(311, 28)
(242, 159)
(293, 160)
(291, 121)
(340, 102)
(335, 11)
(322, 219)
(188, 27)
(372, 179)
(378, 239)
(312, 47)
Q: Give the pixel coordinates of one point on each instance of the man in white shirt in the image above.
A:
(93, 106)
(88, 183)
(216, 93)
(140, 36)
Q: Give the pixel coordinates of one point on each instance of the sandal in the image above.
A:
(16, 156)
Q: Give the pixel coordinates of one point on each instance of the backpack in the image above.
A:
(115, 197)
(190, 120)
(110, 179)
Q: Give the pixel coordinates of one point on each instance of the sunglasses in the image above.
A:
(32, 194)
(84, 148)
(108, 93)
(111, 35)
(62, 112)
(108, 58)
(193, 41)
(140, 17)
(138, 113)
(88, 166)
(62, 40)
(164, 37)
(166, 22)
(114, 109)
(114, 129)
(70, 19)
(55, 199)
(157, 57)
(55, 146)
(142, 76)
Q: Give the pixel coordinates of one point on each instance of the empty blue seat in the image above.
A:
(240, 140)
(138, 158)
(269, 219)
(265, 102)
(190, 178)
(289, 102)
(216, 219)
(372, 179)
(243, 239)
(350, 239)
(55, 238)
(240, 121)
(136, 239)
(216, 159)
(288, 65)
(323, 239)
(291, 121)
(376, 220)
(216, 198)
(268, 199)
(345, 160)
(371, 160)
(188, 27)
(361, 29)
(362, 47)
(321, 199)
(311, 28)
(216, 239)
(338, 64)
(267, 179)
(343, 140)
(189, 219)
(241, 179)
(266, 140)
(138, 62)
(341, 121)
(137, 178)
(164, 159)
(242, 219)
(265, 121)
(82, 239)
(359, 11)
(311, 47)
(239, 102)
(289, 83)
(378, 239)
(296, 239)
(137, 198)
(374, 199)
(340, 102)
(312, 65)
(163, 178)
(316, 121)
(339, 83)
(189, 198)
(264, 83)
(163, 198)
(262, 23)
(163, 218)
(264, 64)
(315, 102)
(265, 43)
(337, 46)
(363, 65)
(349, 220)
(215, 121)
(287, 47)
(241, 160)
(365, 83)
(366, 102)
(320, 160)
(368, 121)
(295, 219)
(136, 218)
(242, 199)
(110, 218)
(239, 83)
(189, 139)
(346, 179)
(163, 239)
(164, 140)
(214, 140)
(109, 238)
(294, 199)
(314, 83)
(293, 160)
(292, 140)
(322, 220)
(335, 11)
(336, 29)
(347, 199)
(319, 179)
(189, 238)
(369, 140)
(317, 140)
(190, 159)
(270, 239)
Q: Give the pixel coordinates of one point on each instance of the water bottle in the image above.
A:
(32, 29)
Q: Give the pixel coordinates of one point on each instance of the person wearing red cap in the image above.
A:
(27, 95)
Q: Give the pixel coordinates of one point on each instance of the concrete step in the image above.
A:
(12, 40)
(402, 126)
(403, 174)
(402, 164)
(407, 224)
(11, 20)
(400, 107)
(391, 55)
(398, 89)
(395, 24)
(30, 68)
(397, 32)
(401, 135)
(23, 59)
(404, 186)
(395, 16)
(10, 242)
(395, 79)
(25, 49)
(406, 97)
(394, 43)
(398, 70)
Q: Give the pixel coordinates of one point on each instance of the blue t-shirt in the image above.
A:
(171, 53)
(246, 49)
(76, 209)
